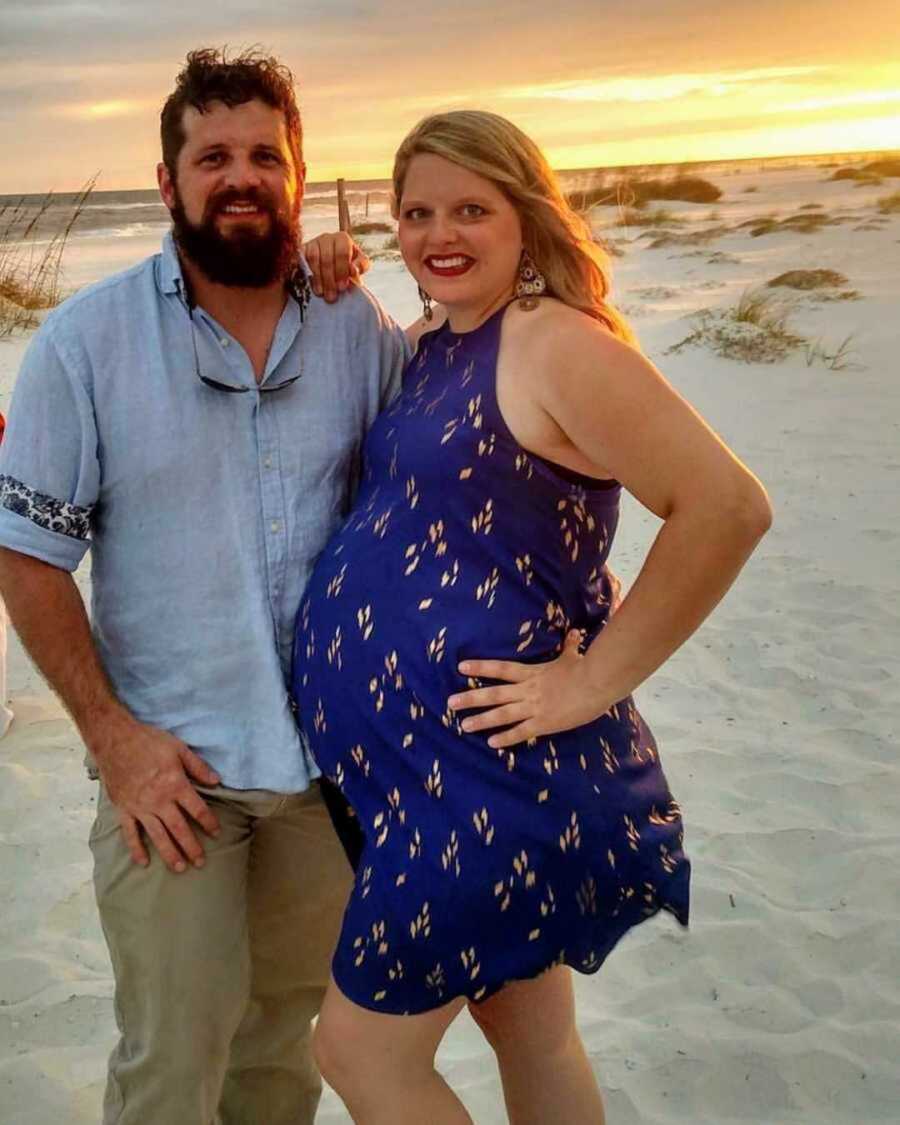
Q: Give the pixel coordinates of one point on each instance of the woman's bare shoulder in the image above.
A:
(556, 336)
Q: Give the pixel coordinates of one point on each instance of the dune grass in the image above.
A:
(30, 262)
(755, 330)
(657, 217)
(808, 279)
(636, 192)
(889, 204)
(373, 226)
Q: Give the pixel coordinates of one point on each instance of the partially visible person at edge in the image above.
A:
(197, 421)
(516, 820)
(6, 716)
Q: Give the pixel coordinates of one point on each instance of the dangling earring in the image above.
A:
(427, 310)
(531, 283)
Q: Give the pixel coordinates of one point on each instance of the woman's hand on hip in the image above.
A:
(532, 699)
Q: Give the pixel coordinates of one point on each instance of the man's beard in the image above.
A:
(245, 258)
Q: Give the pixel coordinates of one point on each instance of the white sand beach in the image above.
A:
(777, 723)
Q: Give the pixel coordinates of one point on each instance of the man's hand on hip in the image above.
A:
(147, 773)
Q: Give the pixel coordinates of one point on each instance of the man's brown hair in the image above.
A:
(209, 75)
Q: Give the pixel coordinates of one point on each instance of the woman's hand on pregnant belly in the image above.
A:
(533, 699)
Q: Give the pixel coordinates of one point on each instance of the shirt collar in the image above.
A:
(171, 279)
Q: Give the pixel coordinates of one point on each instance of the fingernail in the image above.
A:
(492, 742)
(467, 724)
(199, 862)
(465, 666)
(453, 701)
(179, 867)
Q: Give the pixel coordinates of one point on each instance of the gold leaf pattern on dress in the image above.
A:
(365, 881)
(483, 826)
(412, 493)
(450, 576)
(436, 980)
(380, 526)
(523, 566)
(586, 896)
(570, 839)
(482, 522)
(450, 855)
(382, 827)
(524, 465)
(421, 924)
(435, 649)
(358, 755)
(631, 831)
(470, 962)
(319, 723)
(464, 474)
(488, 588)
(433, 784)
(333, 654)
(365, 621)
(415, 845)
(486, 446)
(334, 586)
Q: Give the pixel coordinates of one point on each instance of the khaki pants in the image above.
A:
(219, 970)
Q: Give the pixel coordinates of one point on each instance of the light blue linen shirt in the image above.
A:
(204, 510)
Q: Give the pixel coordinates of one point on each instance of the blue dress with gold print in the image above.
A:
(479, 866)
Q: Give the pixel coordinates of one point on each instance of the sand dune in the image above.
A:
(777, 724)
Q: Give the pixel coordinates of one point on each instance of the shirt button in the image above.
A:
(275, 525)
(224, 341)
(268, 463)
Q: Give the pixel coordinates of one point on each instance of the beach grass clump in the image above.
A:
(755, 330)
(808, 279)
(862, 175)
(657, 217)
(636, 192)
(372, 226)
(836, 357)
(681, 189)
(689, 238)
(804, 222)
(889, 204)
(31, 266)
(888, 168)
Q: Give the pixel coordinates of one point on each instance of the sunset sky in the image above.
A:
(594, 81)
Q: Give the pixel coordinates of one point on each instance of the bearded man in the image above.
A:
(197, 421)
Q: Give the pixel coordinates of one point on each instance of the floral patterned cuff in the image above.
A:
(45, 511)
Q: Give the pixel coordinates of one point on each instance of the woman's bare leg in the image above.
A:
(382, 1067)
(545, 1072)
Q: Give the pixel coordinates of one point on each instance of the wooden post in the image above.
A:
(343, 209)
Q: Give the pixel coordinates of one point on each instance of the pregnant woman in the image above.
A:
(456, 667)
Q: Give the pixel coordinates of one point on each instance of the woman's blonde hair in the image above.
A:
(558, 239)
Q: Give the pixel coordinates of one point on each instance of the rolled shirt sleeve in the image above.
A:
(49, 463)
